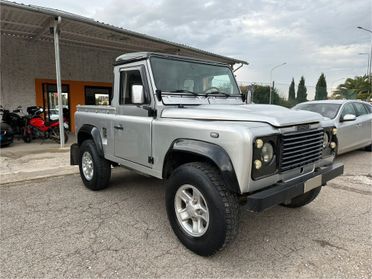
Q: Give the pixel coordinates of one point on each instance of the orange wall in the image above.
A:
(76, 93)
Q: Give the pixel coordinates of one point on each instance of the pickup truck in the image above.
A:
(185, 121)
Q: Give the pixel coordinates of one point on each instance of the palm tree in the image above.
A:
(353, 88)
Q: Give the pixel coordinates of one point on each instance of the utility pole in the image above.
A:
(369, 63)
(56, 31)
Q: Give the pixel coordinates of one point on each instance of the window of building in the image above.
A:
(98, 96)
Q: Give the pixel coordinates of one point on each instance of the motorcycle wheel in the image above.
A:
(27, 138)
(55, 135)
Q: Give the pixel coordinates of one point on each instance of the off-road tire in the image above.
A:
(101, 167)
(303, 199)
(223, 207)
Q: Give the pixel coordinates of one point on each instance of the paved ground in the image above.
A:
(25, 161)
(56, 228)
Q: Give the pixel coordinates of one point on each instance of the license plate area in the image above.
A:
(313, 183)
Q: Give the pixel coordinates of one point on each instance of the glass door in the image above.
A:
(51, 107)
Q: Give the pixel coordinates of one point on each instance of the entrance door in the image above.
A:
(51, 102)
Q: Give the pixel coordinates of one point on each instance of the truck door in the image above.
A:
(132, 125)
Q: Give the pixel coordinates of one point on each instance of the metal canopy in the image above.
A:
(34, 23)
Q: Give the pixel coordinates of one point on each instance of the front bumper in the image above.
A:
(284, 191)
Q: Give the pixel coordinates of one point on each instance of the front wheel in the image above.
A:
(202, 212)
(95, 171)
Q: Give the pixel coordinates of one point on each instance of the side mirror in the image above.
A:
(138, 95)
(348, 117)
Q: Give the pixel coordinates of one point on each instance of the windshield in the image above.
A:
(173, 75)
(326, 110)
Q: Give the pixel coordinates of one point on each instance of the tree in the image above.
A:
(353, 88)
(321, 88)
(261, 95)
(301, 91)
(291, 91)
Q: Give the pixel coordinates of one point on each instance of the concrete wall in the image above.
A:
(23, 61)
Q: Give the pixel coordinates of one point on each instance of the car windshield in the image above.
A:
(185, 77)
(326, 110)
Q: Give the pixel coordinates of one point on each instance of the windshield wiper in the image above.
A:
(218, 93)
(183, 91)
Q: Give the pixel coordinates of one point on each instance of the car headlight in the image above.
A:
(267, 152)
(329, 141)
(325, 139)
(264, 161)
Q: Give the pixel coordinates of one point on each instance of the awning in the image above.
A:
(34, 23)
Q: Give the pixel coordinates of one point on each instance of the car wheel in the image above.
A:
(202, 212)
(303, 199)
(95, 171)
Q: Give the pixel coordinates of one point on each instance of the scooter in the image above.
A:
(37, 127)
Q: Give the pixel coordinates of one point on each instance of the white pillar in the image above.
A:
(57, 22)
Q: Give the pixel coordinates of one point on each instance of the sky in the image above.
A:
(311, 37)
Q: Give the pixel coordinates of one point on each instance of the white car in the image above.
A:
(352, 118)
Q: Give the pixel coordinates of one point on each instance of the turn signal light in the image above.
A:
(333, 145)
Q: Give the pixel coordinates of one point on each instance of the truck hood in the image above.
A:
(276, 116)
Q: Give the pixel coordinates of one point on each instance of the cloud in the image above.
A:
(311, 36)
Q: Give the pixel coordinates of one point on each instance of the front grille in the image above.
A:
(300, 148)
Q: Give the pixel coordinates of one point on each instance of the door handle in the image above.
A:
(119, 127)
(359, 125)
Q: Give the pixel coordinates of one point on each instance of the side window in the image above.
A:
(368, 107)
(348, 109)
(127, 79)
(360, 109)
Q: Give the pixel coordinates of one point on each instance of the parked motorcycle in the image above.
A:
(15, 119)
(37, 127)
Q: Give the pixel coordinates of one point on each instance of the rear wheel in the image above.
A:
(95, 171)
(202, 212)
(303, 199)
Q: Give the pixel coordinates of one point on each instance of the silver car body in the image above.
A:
(130, 137)
(352, 134)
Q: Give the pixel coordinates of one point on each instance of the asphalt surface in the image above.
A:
(56, 228)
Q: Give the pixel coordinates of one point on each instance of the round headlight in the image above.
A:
(325, 139)
(267, 152)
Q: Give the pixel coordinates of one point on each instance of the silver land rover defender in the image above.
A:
(185, 121)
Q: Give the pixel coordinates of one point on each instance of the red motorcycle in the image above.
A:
(37, 127)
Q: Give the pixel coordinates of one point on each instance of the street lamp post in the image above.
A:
(271, 79)
(369, 62)
(365, 53)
